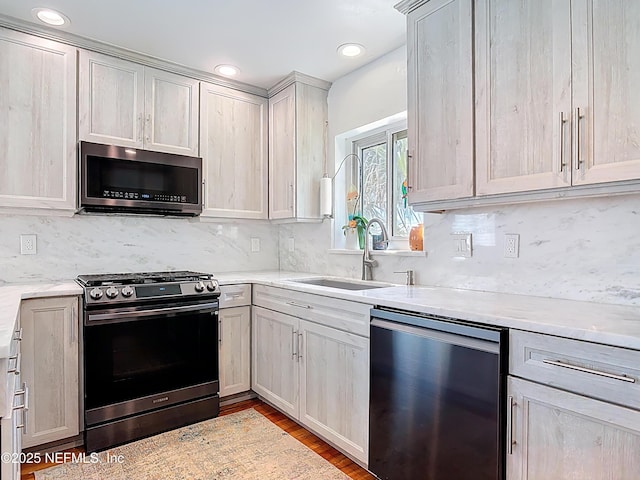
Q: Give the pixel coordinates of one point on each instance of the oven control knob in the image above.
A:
(211, 286)
(199, 287)
(127, 291)
(95, 293)
(112, 292)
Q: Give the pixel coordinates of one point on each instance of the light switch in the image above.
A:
(462, 247)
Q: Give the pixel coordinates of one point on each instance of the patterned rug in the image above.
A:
(243, 445)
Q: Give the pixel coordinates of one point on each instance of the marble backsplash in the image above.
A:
(67, 247)
(586, 249)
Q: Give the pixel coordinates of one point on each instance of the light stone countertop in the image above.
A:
(617, 325)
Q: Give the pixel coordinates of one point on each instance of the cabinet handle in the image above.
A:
(510, 442)
(579, 116)
(18, 335)
(299, 346)
(204, 192)
(16, 368)
(291, 196)
(294, 343)
(562, 122)
(148, 128)
(74, 318)
(24, 407)
(558, 363)
(294, 304)
(220, 331)
(409, 157)
(140, 127)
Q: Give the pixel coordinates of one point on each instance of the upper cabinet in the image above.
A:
(233, 146)
(37, 122)
(440, 91)
(127, 104)
(553, 102)
(297, 147)
(523, 95)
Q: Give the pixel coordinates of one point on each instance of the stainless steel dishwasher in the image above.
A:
(438, 392)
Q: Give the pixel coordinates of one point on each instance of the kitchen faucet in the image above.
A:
(367, 262)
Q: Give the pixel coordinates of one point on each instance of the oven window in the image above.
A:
(128, 360)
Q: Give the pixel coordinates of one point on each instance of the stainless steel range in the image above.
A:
(150, 354)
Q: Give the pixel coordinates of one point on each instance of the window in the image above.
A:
(383, 180)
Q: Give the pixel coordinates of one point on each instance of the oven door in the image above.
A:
(138, 359)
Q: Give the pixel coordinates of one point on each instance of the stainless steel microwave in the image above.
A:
(129, 180)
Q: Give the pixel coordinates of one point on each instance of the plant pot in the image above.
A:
(351, 240)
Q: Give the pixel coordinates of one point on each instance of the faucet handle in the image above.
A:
(410, 276)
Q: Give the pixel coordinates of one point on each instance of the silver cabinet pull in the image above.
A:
(291, 196)
(220, 330)
(558, 363)
(579, 116)
(148, 129)
(16, 368)
(510, 442)
(562, 122)
(18, 335)
(24, 407)
(301, 305)
(74, 320)
(140, 127)
(299, 346)
(294, 343)
(204, 192)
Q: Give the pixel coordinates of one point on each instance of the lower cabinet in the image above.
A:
(234, 350)
(315, 374)
(50, 367)
(557, 434)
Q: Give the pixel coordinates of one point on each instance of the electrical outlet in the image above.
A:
(28, 244)
(255, 245)
(292, 244)
(462, 246)
(511, 245)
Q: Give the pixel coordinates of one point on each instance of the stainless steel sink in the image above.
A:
(341, 284)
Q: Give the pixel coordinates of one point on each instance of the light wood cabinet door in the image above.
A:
(234, 350)
(282, 153)
(440, 91)
(523, 95)
(334, 387)
(111, 100)
(171, 112)
(37, 122)
(50, 367)
(557, 434)
(606, 51)
(234, 150)
(274, 369)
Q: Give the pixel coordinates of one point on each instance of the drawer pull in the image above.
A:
(16, 367)
(510, 442)
(558, 363)
(234, 295)
(18, 335)
(294, 304)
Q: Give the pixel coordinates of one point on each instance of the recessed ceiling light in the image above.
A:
(227, 70)
(350, 49)
(50, 17)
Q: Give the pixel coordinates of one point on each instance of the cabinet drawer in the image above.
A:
(235, 295)
(599, 371)
(349, 316)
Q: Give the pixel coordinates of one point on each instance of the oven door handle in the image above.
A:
(123, 316)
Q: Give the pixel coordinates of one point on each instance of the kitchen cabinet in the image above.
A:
(297, 149)
(37, 123)
(573, 409)
(15, 410)
(130, 105)
(312, 371)
(553, 86)
(440, 99)
(233, 146)
(234, 339)
(50, 366)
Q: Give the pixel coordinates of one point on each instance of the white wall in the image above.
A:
(587, 249)
(68, 247)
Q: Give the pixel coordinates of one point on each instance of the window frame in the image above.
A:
(372, 138)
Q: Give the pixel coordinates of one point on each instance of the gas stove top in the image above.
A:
(103, 289)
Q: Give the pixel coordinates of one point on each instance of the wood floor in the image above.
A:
(312, 442)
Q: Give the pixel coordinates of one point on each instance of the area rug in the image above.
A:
(242, 445)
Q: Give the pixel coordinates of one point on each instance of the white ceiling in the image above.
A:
(266, 39)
